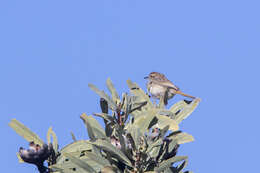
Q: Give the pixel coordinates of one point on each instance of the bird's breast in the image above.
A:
(156, 90)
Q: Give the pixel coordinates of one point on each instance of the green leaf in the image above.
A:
(166, 121)
(161, 103)
(182, 166)
(154, 152)
(84, 165)
(66, 164)
(177, 106)
(98, 159)
(103, 95)
(112, 90)
(96, 151)
(136, 136)
(187, 110)
(94, 128)
(60, 169)
(110, 169)
(107, 146)
(54, 139)
(181, 138)
(137, 106)
(106, 117)
(65, 168)
(155, 144)
(26, 133)
(171, 145)
(168, 170)
(78, 146)
(167, 163)
(166, 113)
(121, 139)
(143, 122)
(163, 131)
(137, 91)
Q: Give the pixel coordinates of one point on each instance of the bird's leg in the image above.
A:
(165, 97)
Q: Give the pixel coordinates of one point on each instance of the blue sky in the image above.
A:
(51, 50)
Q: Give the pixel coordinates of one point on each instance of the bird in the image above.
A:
(159, 86)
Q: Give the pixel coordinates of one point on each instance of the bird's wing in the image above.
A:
(168, 84)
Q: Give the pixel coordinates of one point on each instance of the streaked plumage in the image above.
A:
(159, 86)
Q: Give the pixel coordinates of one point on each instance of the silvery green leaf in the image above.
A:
(161, 102)
(166, 113)
(110, 169)
(121, 140)
(54, 139)
(178, 106)
(157, 143)
(187, 110)
(144, 121)
(106, 117)
(182, 166)
(137, 91)
(94, 128)
(112, 90)
(103, 95)
(60, 169)
(77, 146)
(136, 135)
(167, 163)
(154, 152)
(172, 146)
(82, 164)
(137, 106)
(167, 121)
(107, 146)
(26, 133)
(181, 138)
(97, 158)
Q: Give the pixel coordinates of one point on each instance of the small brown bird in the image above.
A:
(159, 86)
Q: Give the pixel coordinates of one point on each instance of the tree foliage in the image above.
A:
(138, 137)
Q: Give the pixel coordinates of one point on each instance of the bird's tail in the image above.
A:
(185, 95)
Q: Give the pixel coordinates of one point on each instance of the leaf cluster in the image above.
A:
(138, 136)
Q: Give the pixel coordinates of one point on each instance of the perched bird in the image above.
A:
(159, 86)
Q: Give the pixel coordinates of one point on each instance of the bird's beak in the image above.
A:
(146, 77)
